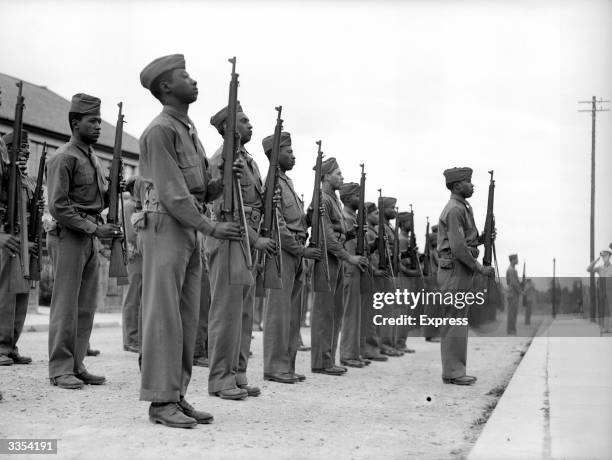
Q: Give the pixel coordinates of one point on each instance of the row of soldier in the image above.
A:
(185, 243)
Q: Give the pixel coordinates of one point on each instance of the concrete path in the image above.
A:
(559, 402)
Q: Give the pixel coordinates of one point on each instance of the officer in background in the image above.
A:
(77, 195)
(176, 186)
(514, 293)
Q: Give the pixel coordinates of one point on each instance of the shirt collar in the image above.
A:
(460, 199)
(350, 211)
(82, 146)
(169, 110)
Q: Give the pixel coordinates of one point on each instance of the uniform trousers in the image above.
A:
(370, 341)
(350, 340)
(230, 321)
(282, 318)
(131, 311)
(171, 282)
(326, 318)
(513, 302)
(14, 293)
(73, 300)
(201, 347)
(454, 338)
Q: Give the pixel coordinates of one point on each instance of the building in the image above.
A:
(45, 118)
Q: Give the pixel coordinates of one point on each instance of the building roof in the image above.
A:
(48, 111)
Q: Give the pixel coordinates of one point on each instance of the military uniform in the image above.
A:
(283, 307)
(514, 292)
(231, 308)
(457, 250)
(77, 190)
(14, 288)
(201, 348)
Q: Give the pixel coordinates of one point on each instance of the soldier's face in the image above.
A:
(373, 217)
(605, 256)
(286, 159)
(390, 213)
(183, 87)
(88, 128)
(244, 127)
(335, 179)
(354, 200)
(466, 188)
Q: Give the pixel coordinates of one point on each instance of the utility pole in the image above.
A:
(554, 288)
(594, 109)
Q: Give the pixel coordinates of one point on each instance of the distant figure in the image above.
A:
(528, 298)
(605, 287)
(514, 292)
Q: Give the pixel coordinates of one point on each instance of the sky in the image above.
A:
(408, 88)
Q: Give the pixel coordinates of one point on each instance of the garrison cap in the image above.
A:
(219, 118)
(609, 251)
(369, 207)
(512, 257)
(404, 217)
(457, 175)
(8, 137)
(434, 229)
(328, 165)
(389, 202)
(348, 189)
(85, 104)
(160, 65)
(285, 140)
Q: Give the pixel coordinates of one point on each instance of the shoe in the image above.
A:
(90, 379)
(303, 348)
(199, 416)
(281, 377)
(408, 350)
(257, 328)
(352, 363)
(171, 415)
(300, 377)
(251, 391)
(68, 382)
(130, 348)
(376, 357)
(91, 352)
(6, 361)
(365, 361)
(463, 380)
(342, 368)
(432, 339)
(329, 371)
(18, 359)
(201, 361)
(232, 393)
(391, 352)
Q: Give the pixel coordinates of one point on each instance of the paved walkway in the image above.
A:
(559, 402)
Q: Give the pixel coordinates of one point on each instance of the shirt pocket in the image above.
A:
(84, 178)
(191, 168)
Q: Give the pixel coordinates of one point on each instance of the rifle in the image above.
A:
(396, 246)
(320, 276)
(523, 280)
(362, 249)
(489, 225)
(415, 263)
(35, 226)
(17, 222)
(427, 252)
(272, 273)
(240, 262)
(384, 254)
(118, 255)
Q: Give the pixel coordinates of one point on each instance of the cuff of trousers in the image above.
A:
(241, 379)
(160, 395)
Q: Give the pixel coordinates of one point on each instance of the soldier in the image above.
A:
(431, 332)
(230, 321)
(457, 251)
(350, 353)
(200, 357)
(514, 292)
(283, 308)
(371, 341)
(328, 306)
(77, 196)
(133, 296)
(176, 186)
(528, 298)
(14, 288)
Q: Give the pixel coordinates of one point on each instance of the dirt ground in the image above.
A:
(394, 410)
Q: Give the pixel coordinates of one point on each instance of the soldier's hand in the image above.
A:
(276, 199)
(378, 272)
(22, 164)
(9, 242)
(108, 231)
(313, 253)
(266, 244)
(33, 249)
(41, 205)
(488, 271)
(238, 168)
(227, 231)
(494, 234)
(359, 261)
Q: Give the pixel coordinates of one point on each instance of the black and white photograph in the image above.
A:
(344, 229)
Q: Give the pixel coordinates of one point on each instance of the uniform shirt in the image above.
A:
(293, 220)
(350, 223)
(457, 232)
(335, 230)
(175, 171)
(604, 271)
(512, 279)
(76, 185)
(372, 241)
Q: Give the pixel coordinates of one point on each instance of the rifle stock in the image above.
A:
(320, 272)
(35, 226)
(118, 255)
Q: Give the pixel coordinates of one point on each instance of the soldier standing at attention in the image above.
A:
(328, 306)
(457, 251)
(230, 322)
(176, 186)
(350, 352)
(14, 288)
(514, 292)
(283, 310)
(77, 196)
